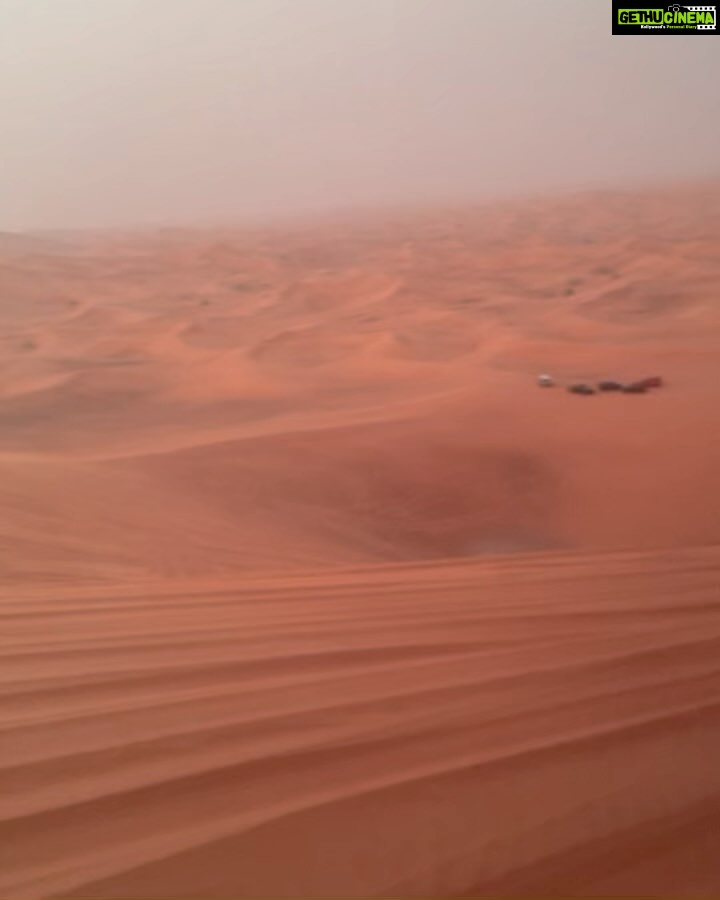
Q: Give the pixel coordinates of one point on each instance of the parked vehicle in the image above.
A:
(641, 386)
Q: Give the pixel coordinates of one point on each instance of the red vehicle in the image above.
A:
(654, 381)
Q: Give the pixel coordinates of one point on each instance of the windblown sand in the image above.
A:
(308, 590)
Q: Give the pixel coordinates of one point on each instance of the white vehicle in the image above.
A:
(546, 381)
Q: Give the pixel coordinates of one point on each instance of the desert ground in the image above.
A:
(308, 590)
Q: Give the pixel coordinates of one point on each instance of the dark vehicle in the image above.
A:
(635, 387)
(653, 382)
(609, 386)
(581, 389)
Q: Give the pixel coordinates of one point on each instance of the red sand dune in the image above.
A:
(307, 590)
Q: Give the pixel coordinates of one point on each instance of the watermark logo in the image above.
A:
(671, 19)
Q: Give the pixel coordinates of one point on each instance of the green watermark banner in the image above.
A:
(670, 19)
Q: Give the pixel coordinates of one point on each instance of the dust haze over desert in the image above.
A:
(307, 588)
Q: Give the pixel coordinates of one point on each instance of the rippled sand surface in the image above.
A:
(307, 590)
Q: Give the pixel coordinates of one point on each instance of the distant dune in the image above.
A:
(308, 590)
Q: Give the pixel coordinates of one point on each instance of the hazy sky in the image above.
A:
(117, 112)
